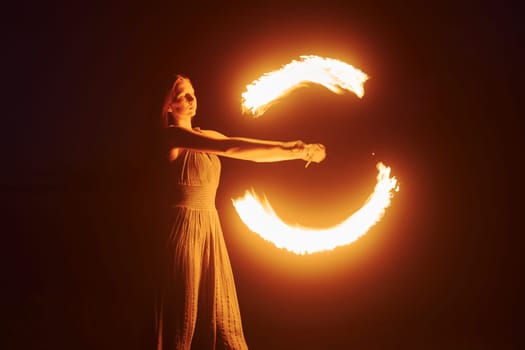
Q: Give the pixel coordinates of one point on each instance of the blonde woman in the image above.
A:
(199, 307)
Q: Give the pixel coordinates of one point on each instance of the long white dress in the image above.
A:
(199, 307)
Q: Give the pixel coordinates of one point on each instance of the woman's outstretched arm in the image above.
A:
(243, 148)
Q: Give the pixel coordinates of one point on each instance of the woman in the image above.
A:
(199, 307)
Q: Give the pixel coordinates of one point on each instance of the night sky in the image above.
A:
(83, 185)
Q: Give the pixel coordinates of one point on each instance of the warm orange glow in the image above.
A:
(333, 74)
(258, 215)
(260, 218)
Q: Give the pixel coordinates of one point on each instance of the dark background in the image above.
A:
(82, 184)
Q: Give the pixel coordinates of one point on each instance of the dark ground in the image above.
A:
(82, 189)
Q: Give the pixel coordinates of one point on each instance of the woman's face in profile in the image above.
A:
(184, 102)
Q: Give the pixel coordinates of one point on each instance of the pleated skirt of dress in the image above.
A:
(199, 309)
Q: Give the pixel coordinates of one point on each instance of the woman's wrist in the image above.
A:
(296, 147)
(301, 150)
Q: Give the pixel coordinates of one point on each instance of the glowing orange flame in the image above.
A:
(258, 215)
(261, 219)
(333, 74)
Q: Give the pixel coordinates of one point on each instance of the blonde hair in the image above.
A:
(166, 119)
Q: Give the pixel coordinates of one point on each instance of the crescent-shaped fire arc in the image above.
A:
(333, 74)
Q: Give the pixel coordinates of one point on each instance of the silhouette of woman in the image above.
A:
(199, 307)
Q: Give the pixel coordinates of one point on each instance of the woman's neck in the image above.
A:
(183, 124)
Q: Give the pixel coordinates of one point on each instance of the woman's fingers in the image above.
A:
(315, 152)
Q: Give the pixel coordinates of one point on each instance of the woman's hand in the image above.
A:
(311, 152)
(314, 152)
